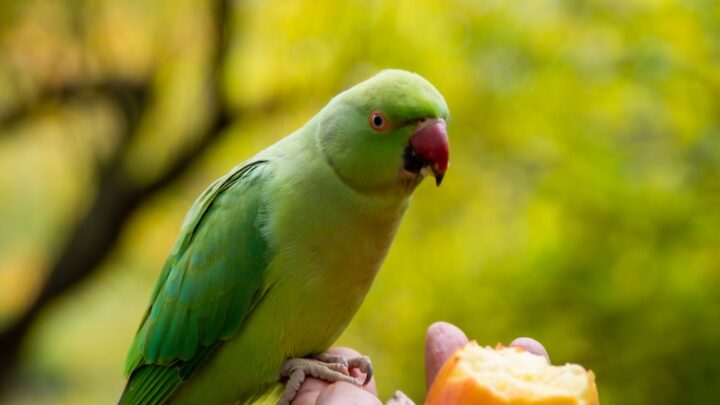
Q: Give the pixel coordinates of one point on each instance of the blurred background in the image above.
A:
(582, 206)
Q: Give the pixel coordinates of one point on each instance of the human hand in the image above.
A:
(441, 341)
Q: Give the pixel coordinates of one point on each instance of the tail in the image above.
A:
(150, 384)
(154, 384)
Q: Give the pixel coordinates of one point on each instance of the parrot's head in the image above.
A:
(387, 133)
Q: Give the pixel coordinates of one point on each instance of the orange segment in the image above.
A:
(477, 375)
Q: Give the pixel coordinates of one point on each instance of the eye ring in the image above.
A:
(378, 122)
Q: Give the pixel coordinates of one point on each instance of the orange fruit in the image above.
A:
(476, 375)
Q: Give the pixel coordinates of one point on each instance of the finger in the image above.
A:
(531, 345)
(342, 393)
(309, 391)
(441, 341)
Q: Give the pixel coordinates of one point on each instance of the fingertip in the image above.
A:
(360, 376)
(531, 345)
(444, 331)
(441, 341)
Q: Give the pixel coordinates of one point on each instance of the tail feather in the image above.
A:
(150, 384)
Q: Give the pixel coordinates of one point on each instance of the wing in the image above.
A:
(210, 282)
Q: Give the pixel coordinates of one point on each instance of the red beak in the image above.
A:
(430, 143)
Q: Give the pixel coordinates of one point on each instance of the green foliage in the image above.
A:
(580, 208)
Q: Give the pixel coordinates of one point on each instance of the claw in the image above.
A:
(368, 375)
(363, 364)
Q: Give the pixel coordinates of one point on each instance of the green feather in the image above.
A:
(205, 290)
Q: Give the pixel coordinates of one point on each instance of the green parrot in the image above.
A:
(274, 258)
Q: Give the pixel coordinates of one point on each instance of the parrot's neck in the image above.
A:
(324, 196)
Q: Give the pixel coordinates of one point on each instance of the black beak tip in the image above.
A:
(439, 178)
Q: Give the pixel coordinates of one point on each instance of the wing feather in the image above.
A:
(210, 282)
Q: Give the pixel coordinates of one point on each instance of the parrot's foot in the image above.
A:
(327, 367)
(361, 363)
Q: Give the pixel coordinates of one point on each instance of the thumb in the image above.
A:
(441, 341)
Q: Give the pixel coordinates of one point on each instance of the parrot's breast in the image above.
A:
(328, 243)
(327, 264)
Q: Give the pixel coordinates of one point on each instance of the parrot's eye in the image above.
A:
(378, 121)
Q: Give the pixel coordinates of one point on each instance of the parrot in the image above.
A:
(274, 258)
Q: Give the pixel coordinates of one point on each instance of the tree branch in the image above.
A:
(118, 196)
(121, 92)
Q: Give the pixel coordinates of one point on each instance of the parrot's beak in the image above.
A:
(428, 149)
